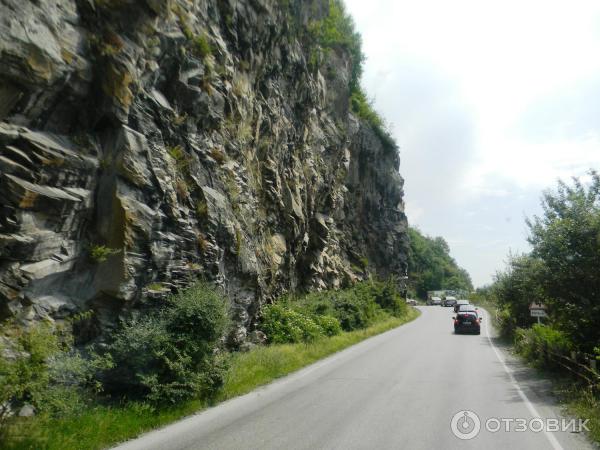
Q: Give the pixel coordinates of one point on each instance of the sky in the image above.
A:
(491, 102)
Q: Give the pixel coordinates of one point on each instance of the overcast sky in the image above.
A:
(491, 102)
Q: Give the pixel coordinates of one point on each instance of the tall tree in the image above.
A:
(431, 267)
(566, 237)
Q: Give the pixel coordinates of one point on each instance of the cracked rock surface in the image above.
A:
(135, 158)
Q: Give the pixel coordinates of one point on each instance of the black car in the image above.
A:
(450, 301)
(467, 320)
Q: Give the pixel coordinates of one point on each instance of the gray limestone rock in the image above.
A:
(241, 164)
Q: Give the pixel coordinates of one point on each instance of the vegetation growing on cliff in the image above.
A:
(167, 122)
(171, 354)
(169, 363)
(431, 267)
(328, 313)
(337, 31)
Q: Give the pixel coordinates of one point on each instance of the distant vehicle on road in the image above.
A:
(466, 308)
(411, 302)
(467, 320)
(459, 303)
(434, 301)
(449, 301)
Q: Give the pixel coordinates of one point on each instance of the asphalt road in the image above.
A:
(398, 390)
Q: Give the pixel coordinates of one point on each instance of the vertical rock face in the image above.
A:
(145, 143)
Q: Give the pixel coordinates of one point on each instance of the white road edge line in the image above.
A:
(551, 438)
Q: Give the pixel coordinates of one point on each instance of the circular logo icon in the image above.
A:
(465, 424)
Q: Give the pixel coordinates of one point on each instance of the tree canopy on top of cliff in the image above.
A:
(430, 266)
(337, 30)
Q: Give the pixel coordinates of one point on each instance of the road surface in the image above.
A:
(398, 390)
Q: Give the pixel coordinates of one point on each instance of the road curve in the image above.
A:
(396, 390)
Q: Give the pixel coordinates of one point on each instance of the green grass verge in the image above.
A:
(264, 364)
(101, 426)
(585, 406)
(577, 401)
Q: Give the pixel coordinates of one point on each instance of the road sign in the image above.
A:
(538, 313)
(537, 306)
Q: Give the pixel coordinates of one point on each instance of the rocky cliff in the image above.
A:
(145, 143)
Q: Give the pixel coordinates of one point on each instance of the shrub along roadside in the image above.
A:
(102, 423)
(561, 271)
(531, 343)
(264, 364)
(171, 354)
(578, 399)
(327, 313)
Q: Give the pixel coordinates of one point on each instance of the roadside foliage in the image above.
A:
(171, 361)
(561, 272)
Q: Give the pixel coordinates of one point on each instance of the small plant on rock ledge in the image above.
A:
(100, 253)
(155, 286)
(176, 152)
(202, 208)
(218, 155)
(182, 159)
(203, 243)
(201, 47)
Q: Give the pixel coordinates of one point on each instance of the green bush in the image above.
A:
(353, 308)
(507, 323)
(171, 355)
(337, 30)
(386, 295)
(24, 374)
(354, 311)
(284, 325)
(329, 324)
(530, 342)
(565, 239)
(42, 370)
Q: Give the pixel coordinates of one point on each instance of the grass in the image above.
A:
(264, 364)
(95, 428)
(576, 399)
(103, 425)
(581, 403)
